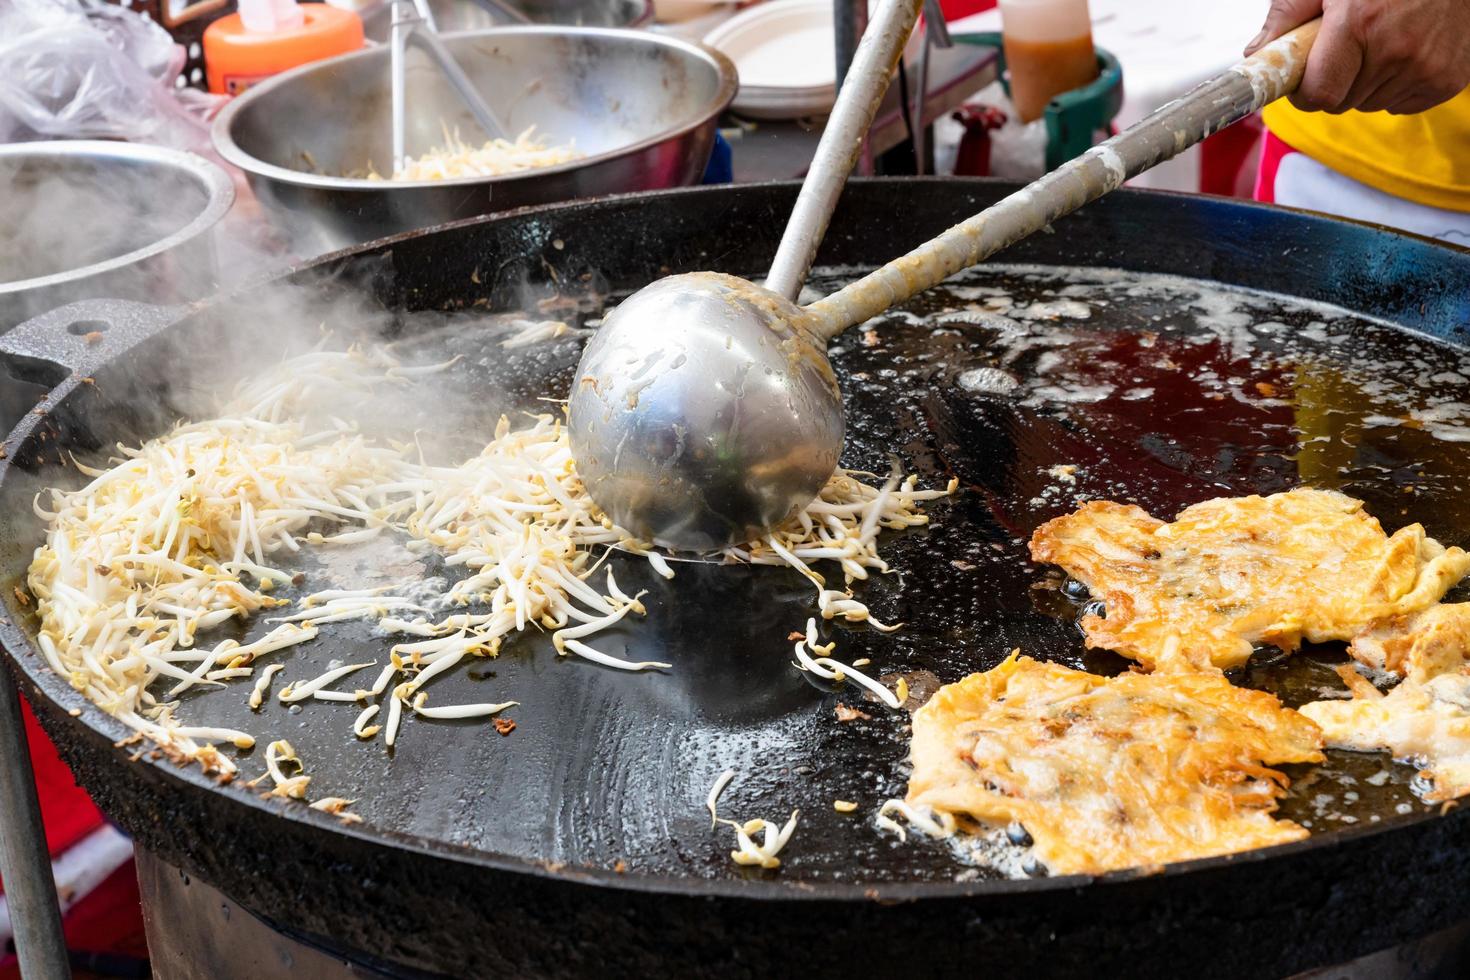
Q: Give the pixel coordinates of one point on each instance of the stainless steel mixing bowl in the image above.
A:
(467, 15)
(86, 219)
(643, 107)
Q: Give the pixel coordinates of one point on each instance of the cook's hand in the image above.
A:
(1399, 55)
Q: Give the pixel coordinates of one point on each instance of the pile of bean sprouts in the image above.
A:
(178, 537)
(494, 158)
(140, 564)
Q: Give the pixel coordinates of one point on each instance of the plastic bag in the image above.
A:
(1017, 149)
(80, 69)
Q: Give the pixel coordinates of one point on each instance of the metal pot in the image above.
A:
(86, 219)
(643, 107)
(467, 15)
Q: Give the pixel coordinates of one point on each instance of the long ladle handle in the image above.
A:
(842, 140)
(1272, 72)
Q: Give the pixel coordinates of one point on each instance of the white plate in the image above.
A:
(786, 55)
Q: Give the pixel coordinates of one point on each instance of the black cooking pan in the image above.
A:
(579, 843)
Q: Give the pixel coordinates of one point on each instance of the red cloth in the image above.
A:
(107, 921)
(67, 811)
(955, 9)
(110, 919)
(1273, 150)
(1226, 159)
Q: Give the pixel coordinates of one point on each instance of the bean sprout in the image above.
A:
(263, 685)
(748, 852)
(459, 710)
(360, 727)
(332, 804)
(280, 753)
(828, 669)
(300, 692)
(714, 795)
(920, 818)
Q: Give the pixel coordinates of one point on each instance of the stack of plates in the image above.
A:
(786, 56)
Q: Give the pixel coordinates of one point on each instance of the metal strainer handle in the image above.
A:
(413, 24)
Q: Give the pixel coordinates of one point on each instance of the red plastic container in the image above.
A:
(955, 9)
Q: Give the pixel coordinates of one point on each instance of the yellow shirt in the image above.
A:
(1423, 157)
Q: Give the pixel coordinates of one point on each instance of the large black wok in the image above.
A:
(579, 843)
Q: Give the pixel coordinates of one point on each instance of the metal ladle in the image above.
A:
(665, 422)
(705, 410)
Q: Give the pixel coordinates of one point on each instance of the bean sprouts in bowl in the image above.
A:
(640, 109)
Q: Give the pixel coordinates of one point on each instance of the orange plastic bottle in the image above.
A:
(270, 36)
(1048, 51)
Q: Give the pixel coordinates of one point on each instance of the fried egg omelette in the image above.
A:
(1426, 718)
(1232, 572)
(1109, 773)
(1418, 646)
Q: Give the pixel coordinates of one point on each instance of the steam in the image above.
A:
(191, 371)
(65, 219)
(72, 71)
(57, 220)
(63, 213)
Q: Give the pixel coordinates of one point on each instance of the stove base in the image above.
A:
(196, 933)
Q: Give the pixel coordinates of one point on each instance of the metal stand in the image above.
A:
(936, 34)
(413, 23)
(196, 932)
(850, 20)
(25, 864)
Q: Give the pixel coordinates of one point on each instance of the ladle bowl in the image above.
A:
(706, 412)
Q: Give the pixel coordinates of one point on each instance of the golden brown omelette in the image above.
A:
(1109, 773)
(1416, 646)
(1232, 572)
(1426, 718)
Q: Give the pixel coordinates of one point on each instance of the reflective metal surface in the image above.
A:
(470, 15)
(643, 108)
(705, 411)
(90, 218)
